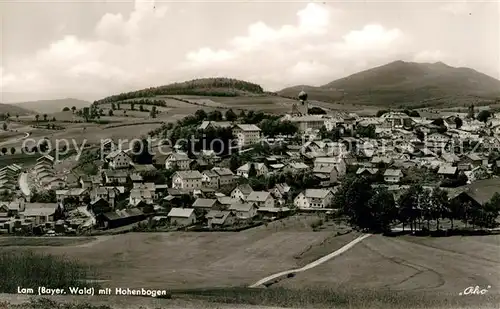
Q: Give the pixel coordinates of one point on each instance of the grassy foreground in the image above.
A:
(341, 298)
(30, 270)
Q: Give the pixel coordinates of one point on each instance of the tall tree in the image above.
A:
(484, 115)
(230, 115)
(440, 205)
(200, 115)
(252, 171)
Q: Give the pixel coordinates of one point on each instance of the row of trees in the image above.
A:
(376, 209)
(203, 86)
(45, 117)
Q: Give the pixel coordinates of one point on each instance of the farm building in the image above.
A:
(114, 219)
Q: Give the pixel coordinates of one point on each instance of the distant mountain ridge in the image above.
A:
(14, 110)
(52, 106)
(405, 83)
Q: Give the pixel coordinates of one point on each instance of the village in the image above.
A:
(271, 167)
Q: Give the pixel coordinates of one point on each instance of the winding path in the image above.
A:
(15, 139)
(312, 264)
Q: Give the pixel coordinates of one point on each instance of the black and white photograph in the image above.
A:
(258, 154)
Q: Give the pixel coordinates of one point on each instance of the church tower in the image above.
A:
(301, 109)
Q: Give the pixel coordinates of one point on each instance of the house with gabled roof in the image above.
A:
(210, 179)
(214, 124)
(338, 162)
(260, 169)
(182, 216)
(220, 218)
(393, 175)
(225, 176)
(138, 195)
(118, 159)
(244, 210)
(226, 201)
(205, 204)
(261, 198)
(39, 213)
(281, 192)
(11, 209)
(314, 198)
(178, 160)
(447, 170)
(475, 159)
(187, 180)
(295, 167)
(241, 192)
(327, 174)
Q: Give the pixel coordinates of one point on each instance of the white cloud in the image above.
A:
(135, 51)
(430, 56)
(371, 37)
(305, 51)
(205, 54)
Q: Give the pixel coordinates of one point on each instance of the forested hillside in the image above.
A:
(227, 87)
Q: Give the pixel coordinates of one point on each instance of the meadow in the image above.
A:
(194, 260)
(442, 266)
(28, 269)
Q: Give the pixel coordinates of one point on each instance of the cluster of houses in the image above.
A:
(204, 191)
(22, 216)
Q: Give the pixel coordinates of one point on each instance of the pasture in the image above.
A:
(182, 260)
(433, 266)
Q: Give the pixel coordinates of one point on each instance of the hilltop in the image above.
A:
(14, 110)
(52, 106)
(408, 84)
(223, 87)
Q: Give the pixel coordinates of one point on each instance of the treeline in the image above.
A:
(117, 106)
(203, 86)
(377, 209)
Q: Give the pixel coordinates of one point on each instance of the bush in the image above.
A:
(29, 269)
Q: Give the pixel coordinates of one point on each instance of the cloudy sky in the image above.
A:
(89, 49)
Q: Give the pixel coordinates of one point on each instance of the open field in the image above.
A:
(241, 298)
(435, 266)
(379, 272)
(196, 260)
